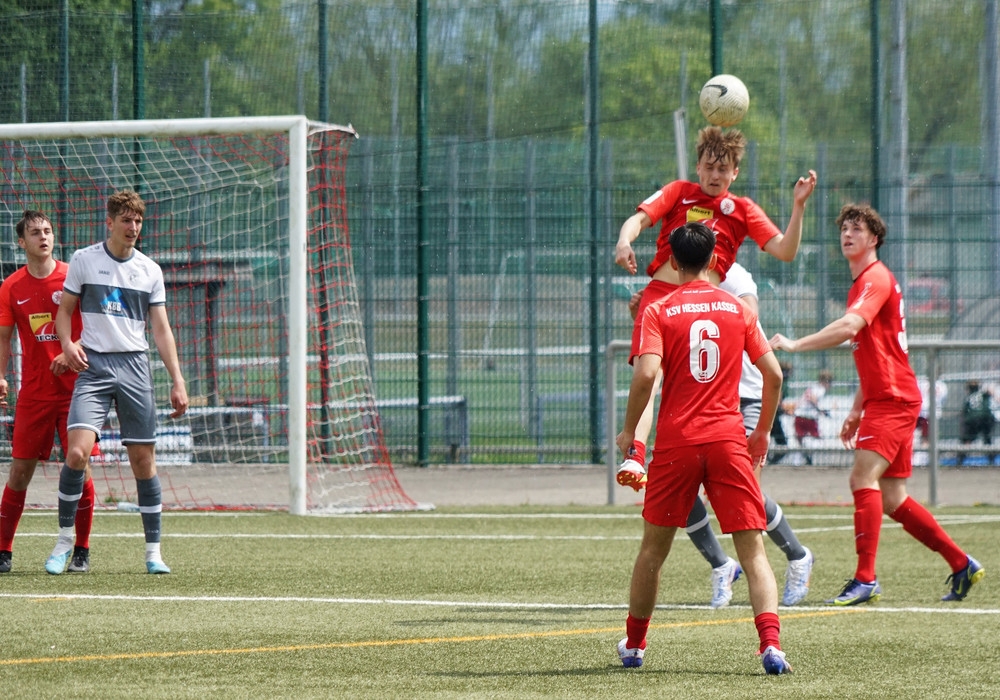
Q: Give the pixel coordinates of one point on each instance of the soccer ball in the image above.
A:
(724, 100)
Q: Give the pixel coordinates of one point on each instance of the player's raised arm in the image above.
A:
(630, 230)
(785, 247)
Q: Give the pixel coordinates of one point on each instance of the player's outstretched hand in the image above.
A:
(780, 342)
(804, 187)
(625, 257)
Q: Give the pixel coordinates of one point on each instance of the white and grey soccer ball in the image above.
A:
(724, 100)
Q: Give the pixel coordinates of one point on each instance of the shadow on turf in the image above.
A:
(601, 671)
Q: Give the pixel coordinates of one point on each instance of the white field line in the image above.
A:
(485, 604)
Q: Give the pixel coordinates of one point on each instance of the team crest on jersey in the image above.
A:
(57, 297)
(727, 206)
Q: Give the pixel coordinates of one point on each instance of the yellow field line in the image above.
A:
(392, 642)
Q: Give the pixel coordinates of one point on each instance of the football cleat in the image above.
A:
(963, 580)
(632, 474)
(56, 563)
(855, 593)
(156, 566)
(797, 577)
(631, 658)
(774, 662)
(722, 582)
(80, 563)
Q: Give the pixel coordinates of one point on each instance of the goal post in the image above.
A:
(247, 217)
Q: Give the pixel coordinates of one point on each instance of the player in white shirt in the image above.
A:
(119, 291)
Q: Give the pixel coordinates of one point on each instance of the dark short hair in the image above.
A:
(866, 214)
(692, 245)
(29, 215)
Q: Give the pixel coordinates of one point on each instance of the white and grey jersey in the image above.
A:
(115, 296)
(739, 282)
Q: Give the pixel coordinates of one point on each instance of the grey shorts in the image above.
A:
(125, 379)
(750, 408)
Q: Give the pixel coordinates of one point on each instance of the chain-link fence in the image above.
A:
(892, 102)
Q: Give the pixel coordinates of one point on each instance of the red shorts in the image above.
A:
(724, 467)
(887, 428)
(654, 291)
(806, 427)
(35, 426)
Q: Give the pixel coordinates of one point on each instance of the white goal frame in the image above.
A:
(297, 127)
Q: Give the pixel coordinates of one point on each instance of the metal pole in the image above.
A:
(610, 410)
(138, 86)
(64, 61)
(423, 243)
(593, 151)
(876, 98)
(138, 63)
(932, 425)
(322, 67)
(715, 27)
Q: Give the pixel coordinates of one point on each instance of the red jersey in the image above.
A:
(880, 348)
(31, 304)
(701, 332)
(732, 218)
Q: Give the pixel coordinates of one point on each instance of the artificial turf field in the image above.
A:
(519, 602)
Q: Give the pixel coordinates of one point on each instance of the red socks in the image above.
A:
(921, 525)
(769, 630)
(635, 630)
(85, 515)
(11, 507)
(638, 453)
(867, 527)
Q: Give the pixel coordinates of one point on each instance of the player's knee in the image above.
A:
(77, 456)
(20, 474)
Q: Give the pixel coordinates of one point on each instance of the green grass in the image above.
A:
(486, 602)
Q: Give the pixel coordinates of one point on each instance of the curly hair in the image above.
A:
(721, 146)
(125, 200)
(865, 214)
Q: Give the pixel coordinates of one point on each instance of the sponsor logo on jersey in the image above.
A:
(114, 304)
(699, 214)
(43, 327)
